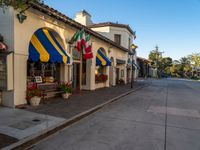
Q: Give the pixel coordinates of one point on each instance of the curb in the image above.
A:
(30, 141)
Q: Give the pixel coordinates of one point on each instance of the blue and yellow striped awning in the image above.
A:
(102, 59)
(44, 47)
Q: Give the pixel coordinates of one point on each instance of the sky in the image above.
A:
(173, 25)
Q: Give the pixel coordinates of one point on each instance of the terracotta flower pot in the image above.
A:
(35, 101)
(66, 95)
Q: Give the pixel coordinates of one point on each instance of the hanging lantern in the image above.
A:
(21, 17)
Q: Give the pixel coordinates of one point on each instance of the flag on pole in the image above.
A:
(88, 49)
(76, 38)
(83, 43)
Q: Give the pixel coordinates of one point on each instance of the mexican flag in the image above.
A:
(83, 43)
(77, 39)
(82, 36)
(88, 44)
(88, 49)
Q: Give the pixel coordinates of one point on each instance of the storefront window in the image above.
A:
(3, 73)
(100, 74)
(48, 72)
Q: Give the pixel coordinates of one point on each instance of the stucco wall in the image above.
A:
(110, 31)
(22, 34)
(105, 31)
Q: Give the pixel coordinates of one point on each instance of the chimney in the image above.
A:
(84, 18)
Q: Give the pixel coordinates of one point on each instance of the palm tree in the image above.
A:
(195, 59)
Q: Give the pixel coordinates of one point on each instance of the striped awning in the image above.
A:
(44, 47)
(136, 66)
(102, 59)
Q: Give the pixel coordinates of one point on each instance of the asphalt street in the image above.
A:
(163, 116)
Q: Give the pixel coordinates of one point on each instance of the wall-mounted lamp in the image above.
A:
(109, 49)
(21, 17)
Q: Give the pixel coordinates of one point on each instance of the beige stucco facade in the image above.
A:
(18, 38)
(109, 32)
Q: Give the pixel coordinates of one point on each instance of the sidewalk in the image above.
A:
(80, 102)
(20, 125)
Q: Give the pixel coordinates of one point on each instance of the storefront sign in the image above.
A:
(76, 54)
(3, 73)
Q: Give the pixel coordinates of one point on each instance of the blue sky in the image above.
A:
(173, 25)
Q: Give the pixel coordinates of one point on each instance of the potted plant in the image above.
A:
(34, 96)
(121, 81)
(67, 90)
(101, 78)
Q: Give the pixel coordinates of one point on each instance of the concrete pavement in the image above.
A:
(162, 116)
(28, 127)
(16, 125)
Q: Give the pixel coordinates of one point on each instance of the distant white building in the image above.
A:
(121, 34)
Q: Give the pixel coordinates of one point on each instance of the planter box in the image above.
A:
(35, 101)
(66, 95)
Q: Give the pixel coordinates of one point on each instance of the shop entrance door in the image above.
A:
(76, 76)
(117, 75)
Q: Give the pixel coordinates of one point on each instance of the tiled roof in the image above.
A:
(59, 16)
(103, 24)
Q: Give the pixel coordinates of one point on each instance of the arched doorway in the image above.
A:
(102, 63)
(45, 60)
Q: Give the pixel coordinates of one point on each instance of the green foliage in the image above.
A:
(20, 5)
(183, 68)
(162, 64)
(195, 59)
(66, 87)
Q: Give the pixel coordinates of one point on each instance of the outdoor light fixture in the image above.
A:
(109, 49)
(21, 17)
(133, 48)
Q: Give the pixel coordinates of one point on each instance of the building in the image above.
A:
(146, 69)
(122, 35)
(40, 52)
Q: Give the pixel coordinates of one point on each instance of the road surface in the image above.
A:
(163, 116)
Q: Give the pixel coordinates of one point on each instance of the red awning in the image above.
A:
(3, 46)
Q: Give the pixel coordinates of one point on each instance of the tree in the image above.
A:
(166, 63)
(20, 5)
(155, 56)
(195, 59)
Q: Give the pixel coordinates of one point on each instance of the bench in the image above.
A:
(49, 90)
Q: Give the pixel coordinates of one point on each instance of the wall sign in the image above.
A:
(3, 73)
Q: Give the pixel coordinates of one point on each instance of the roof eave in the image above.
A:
(59, 16)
